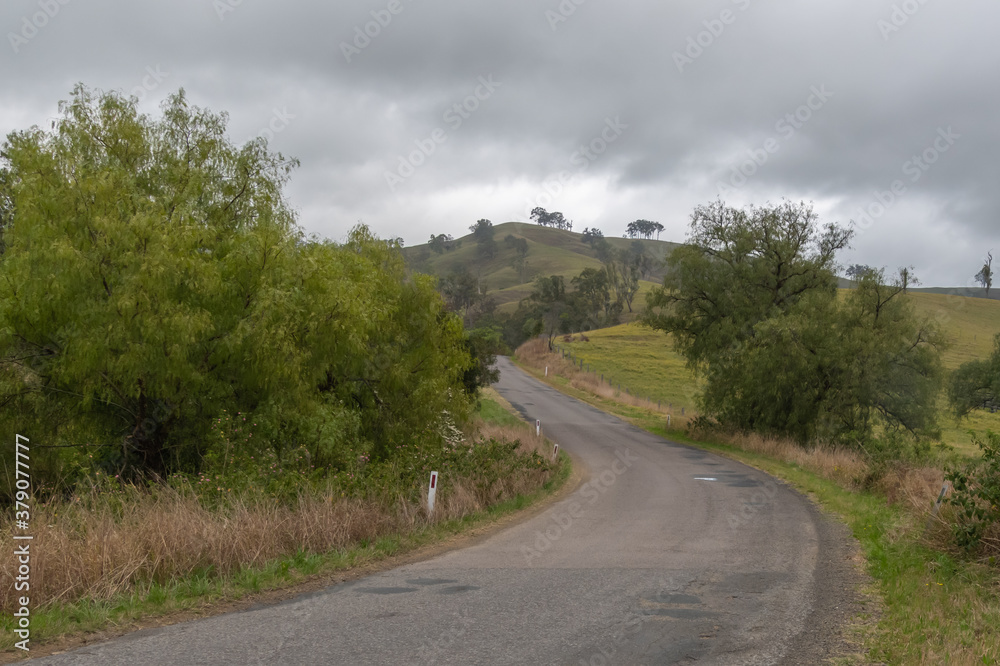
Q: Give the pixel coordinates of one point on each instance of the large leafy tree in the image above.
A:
(740, 267)
(835, 371)
(142, 265)
(593, 296)
(751, 302)
(380, 345)
(153, 276)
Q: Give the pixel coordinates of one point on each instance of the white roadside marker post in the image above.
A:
(431, 492)
(546, 371)
(555, 452)
(538, 427)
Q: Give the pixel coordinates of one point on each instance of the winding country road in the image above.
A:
(665, 554)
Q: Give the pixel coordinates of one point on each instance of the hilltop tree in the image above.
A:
(441, 243)
(486, 245)
(554, 219)
(643, 229)
(985, 275)
(591, 236)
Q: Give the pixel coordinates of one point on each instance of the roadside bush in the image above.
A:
(976, 498)
(158, 278)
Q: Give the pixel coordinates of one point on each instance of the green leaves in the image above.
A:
(152, 262)
(751, 301)
(976, 384)
(976, 497)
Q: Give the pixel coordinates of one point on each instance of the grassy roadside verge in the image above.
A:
(65, 624)
(937, 609)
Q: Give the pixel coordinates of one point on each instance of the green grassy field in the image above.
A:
(644, 360)
(641, 360)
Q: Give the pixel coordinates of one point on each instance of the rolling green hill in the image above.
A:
(550, 252)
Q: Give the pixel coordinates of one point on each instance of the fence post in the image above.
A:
(431, 492)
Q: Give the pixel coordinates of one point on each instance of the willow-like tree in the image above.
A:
(141, 264)
(153, 275)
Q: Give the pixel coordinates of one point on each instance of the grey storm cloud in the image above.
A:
(420, 116)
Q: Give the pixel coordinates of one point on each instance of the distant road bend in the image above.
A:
(665, 554)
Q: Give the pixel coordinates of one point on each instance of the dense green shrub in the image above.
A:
(155, 278)
(751, 302)
(976, 498)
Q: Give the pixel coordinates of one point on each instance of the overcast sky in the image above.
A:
(421, 116)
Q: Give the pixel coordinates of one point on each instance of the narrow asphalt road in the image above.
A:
(665, 554)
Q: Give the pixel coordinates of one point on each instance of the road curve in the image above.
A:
(666, 554)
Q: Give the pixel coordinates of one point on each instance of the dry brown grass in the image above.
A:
(843, 466)
(101, 546)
